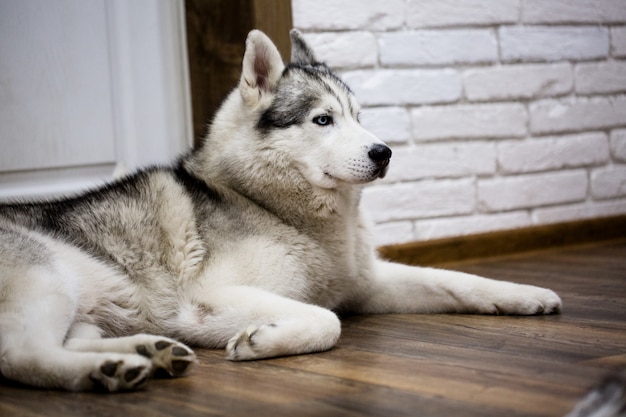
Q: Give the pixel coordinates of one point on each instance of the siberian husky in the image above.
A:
(605, 399)
(252, 242)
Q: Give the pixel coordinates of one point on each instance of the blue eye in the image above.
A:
(323, 120)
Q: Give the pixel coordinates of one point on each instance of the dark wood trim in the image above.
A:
(216, 34)
(506, 242)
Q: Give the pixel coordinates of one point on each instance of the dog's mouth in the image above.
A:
(360, 173)
(381, 172)
(376, 174)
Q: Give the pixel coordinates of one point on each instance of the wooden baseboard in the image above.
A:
(506, 242)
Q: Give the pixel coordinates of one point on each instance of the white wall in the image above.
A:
(501, 113)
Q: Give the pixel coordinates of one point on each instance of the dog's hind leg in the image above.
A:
(168, 357)
(254, 324)
(37, 306)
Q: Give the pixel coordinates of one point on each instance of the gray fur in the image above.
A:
(301, 53)
(297, 93)
(606, 399)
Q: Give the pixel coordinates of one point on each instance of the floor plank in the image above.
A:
(407, 365)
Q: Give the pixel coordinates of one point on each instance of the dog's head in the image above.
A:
(309, 114)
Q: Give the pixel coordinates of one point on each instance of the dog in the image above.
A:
(253, 242)
(605, 399)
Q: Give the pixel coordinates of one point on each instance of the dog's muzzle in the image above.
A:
(380, 155)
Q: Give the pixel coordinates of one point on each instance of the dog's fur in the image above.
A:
(252, 243)
(605, 399)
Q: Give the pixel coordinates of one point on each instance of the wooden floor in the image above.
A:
(408, 365)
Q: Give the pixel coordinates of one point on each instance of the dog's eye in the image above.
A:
(323, 120)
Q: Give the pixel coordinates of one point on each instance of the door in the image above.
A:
(89, 89)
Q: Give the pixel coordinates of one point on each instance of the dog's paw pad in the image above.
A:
(143, 351)
(169, 358)
(162, 344)
(109, 367)
(180, 351)
(118, 375)
(133, 373)
(180, 366)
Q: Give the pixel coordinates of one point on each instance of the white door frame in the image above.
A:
(150, 77)
(151, 101)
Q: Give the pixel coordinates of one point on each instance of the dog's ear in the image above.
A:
(262, 68)
(301, 52)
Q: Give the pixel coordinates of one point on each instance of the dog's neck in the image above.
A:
(271, 181)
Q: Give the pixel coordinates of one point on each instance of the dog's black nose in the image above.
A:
(380, 154)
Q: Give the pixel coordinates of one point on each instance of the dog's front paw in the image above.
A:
(168, 356)
(529, 300)
(252, 343)
(120, 374)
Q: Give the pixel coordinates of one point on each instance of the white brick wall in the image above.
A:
(401, 86)
(528, 191)
(618, 145)
(618, 41)
(363, 48)
(501, 113)
(457, 160)
(573, 11)
(437, 47)
(553, 153)
(430, 198)
(478, 121)
(316, 15)
(550, 43)
(601, 78)
(437, 13)
(576, 114)
(609, 182)
(512, 82)
(391, 123)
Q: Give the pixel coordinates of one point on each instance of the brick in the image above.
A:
(396, 87)
(517, 82)
(347, 14)
(469, 121)
(535, 190)
(573, 11)
(550, 116)
(579, 211)
(346, 49)
(618, 145)
(553, 153)
(390, 124)
(609, 182)
(618, 41)
(601, 77)
(540, 43)
(443, 161)
(434, 13)
(407, 201)
(392, 233)
(428, 229)
(438, 47)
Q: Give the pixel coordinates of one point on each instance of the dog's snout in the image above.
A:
(380, 154)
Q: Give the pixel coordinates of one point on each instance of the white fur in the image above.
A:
(261, 275)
